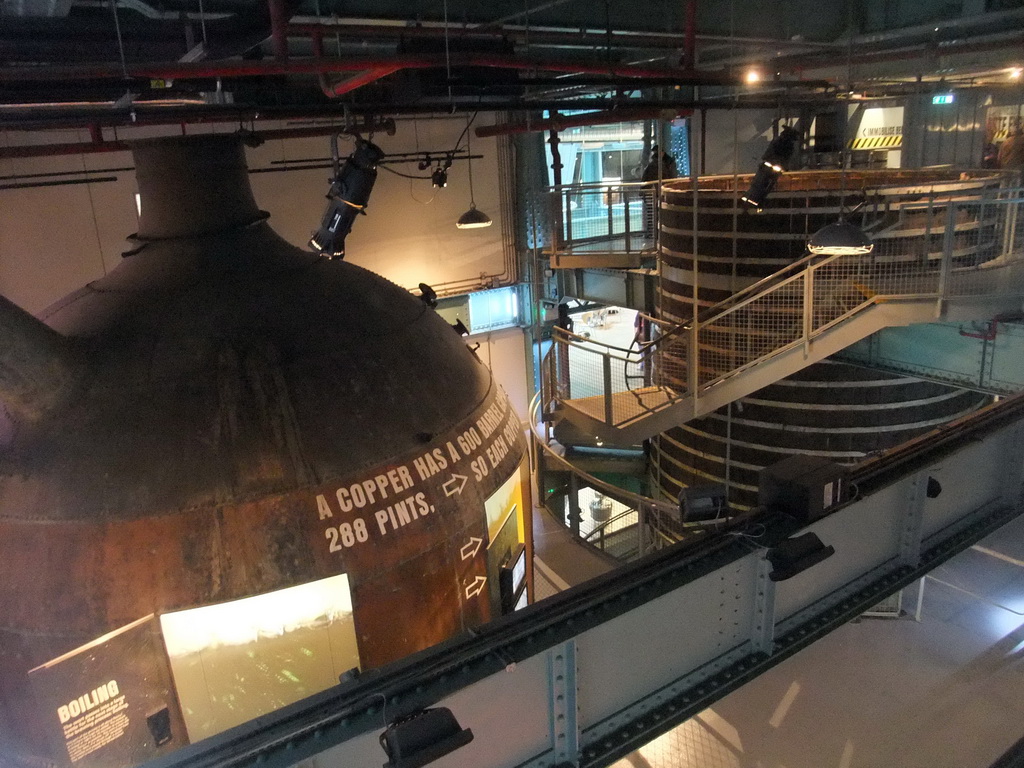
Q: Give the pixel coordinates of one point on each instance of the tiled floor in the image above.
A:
(947, 692)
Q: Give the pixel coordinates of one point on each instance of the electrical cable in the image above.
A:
(403, 175)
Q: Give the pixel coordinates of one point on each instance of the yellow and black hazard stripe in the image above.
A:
(1001, 135)
(878, 142)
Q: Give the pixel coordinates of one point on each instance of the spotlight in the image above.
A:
(752, 76)
(765, 178)
(1015, 73)
(781, 150)
(422, 738)
(428, 295)
(774, 161)
(349, 193)
(460, 327)
(439, 178)
(795, 555)
(840, 239)
(701, 503)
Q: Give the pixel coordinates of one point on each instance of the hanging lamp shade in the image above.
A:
(840, 239)
(474, 218)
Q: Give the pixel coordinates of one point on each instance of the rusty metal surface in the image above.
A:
(231, 384)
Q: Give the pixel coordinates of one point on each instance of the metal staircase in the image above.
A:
(794, 318)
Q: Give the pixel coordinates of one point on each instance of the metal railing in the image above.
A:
(628, 527)
(616, 218)
(976, 248)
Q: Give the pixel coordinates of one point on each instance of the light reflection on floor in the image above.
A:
(882, 693)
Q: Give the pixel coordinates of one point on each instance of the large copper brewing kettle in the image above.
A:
(172, 434)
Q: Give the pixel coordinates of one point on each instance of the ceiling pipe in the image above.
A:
(150, 12)
(214, 69)
(553, 36)
(279, 17)
(352, 83)
(100, 145)
(560, 122)
(991, 43)
(690, 47)
(338, 111)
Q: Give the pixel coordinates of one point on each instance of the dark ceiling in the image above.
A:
(80, 62)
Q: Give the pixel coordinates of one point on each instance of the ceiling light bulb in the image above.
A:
(753, 76)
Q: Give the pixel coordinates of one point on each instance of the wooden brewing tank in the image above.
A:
(829, 409)
(223, 416)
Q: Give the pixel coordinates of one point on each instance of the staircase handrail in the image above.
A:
(762, 286)
(634, 500)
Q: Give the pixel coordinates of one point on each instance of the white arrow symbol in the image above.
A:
(469, 550)
(476, 587)
(455, 485)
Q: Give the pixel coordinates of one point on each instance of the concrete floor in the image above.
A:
(947, 692)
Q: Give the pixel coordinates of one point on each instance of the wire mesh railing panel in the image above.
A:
(592, 374)
(750, 331)
(937, 250)
(998, 241)
(610, 218)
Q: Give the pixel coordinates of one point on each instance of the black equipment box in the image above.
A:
(805, 487)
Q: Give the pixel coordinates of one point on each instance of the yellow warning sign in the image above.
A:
(877, 142)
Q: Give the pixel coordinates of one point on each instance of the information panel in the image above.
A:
(109, 703)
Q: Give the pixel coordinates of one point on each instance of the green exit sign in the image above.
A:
(942, 98)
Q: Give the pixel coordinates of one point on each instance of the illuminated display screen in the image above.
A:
(519, 570)
(942, 98)
(235, 661)
(523, 601)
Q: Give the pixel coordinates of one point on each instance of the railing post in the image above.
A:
(607, 192)
(947, 258)
(567, 218)
(607, 366)
(641, 528)
(625, 214)
(563, 383)
(928, 228)
(575, 513)
(692, 361)
(808, 314)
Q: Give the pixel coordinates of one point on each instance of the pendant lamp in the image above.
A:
(474, 218)
(840, 239)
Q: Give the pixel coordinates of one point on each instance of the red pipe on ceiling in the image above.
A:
(576, 121)
(279, 17)
(206, 70)
(690, 49)
(358, 81)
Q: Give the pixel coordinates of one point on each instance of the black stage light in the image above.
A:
(761, 186)
(422, 738)
(428, 295)
(781, 149)
(349, 193)
(774, 161)
(439, 177)
(701, 503)
(460, 327)
(795, 555)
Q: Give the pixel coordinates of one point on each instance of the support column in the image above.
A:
(565, 726)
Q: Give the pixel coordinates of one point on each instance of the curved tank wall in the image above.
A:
(244, 417)
(831, 410)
